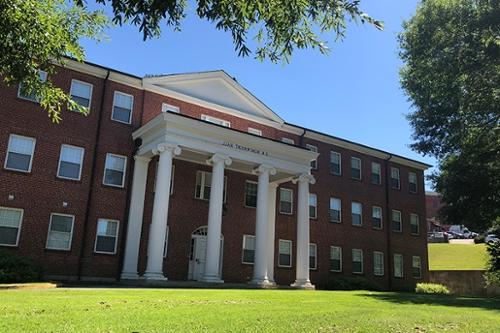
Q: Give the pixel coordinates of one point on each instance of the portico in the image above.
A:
(170, 135)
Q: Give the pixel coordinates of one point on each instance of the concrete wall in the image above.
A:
(464, 282)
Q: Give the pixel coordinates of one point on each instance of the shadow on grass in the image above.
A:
(444, 300)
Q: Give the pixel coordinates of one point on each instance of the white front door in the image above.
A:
(200, 253)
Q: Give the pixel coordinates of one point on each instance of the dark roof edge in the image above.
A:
(104, 67)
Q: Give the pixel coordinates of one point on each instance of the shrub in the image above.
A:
(492, 274)
(351, 283)
(431, 288)
(16, 269)
(479, 239)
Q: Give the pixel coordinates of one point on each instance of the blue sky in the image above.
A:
(352, 93)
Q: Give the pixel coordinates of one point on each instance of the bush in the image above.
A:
(16, 269)
(354, 283)
(492, 274)
(479, 239)
(431, 288)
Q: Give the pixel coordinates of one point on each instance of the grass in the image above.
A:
(457, 257)
(199, 310)
(34, 285)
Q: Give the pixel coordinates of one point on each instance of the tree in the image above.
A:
(451, 75)
(276, 27)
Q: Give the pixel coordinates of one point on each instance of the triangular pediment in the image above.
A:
(218, 88)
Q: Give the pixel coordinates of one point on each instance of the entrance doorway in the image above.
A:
(198, 254)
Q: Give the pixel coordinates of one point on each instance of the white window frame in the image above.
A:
(291, 252)
(113, 107)
(81, 162)
(379, 173)
(418, 224)
(419, 267)
(70, 234)
(215, 120)
(330, 208)
(291, 201)
(400, 220)
(288, 140)
(340, 251)
(361, 213)
(340, 163)
(165, 248)
(116, 236)
(43, 78)
(202, 190)
(381, 270)
(398, 178)
(315, 267)
(381, 217)
(124, 171)
(165, 107)
(360, 168)
(254, 131)
(314, 164)
(313, 195)
(245, 194)
(86, 84)
(409, 182)
(18, 229)
(32, 153)
(362, 261)
(397, 255)
(245, 236)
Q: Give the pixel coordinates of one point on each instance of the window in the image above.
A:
(313, 206)
(376, 176)
(250, 194)
(335, 259)
(81, 93)
(214, 120)
(203, 185)
(356, 213)
(60, 232)
(106, 237)
(165, 107)
(357, 261)
(416, 265)
(10, 225)
(122, 107)
(314, 164)
(285, 253)
(21, 93)
(412, 181)
(378, 263)
(114, 170)
(396, 221)
(70, 162)
(335, 210)
(248, 249)
(376, 217)
(355, 168)
(313, 259)
(395, 183)
(398, 265)
(20, 153)
(288, 140)
(254, 131)
(335, 163)
(414, 224)
(286, 201)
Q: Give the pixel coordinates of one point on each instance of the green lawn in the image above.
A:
(197, 310)
(457, 256)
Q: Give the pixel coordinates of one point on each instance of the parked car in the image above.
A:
(461, 232)
(491, 238)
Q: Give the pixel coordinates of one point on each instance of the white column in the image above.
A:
(302, 270)
(215, 218)
(158, 228)
(271, 225)
(260, 276)
(135, 216)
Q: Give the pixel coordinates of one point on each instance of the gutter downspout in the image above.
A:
(91, 177)
(388, 215)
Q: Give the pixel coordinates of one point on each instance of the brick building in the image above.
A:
(124, 192)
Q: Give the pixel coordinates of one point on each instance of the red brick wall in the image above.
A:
(186, 213)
